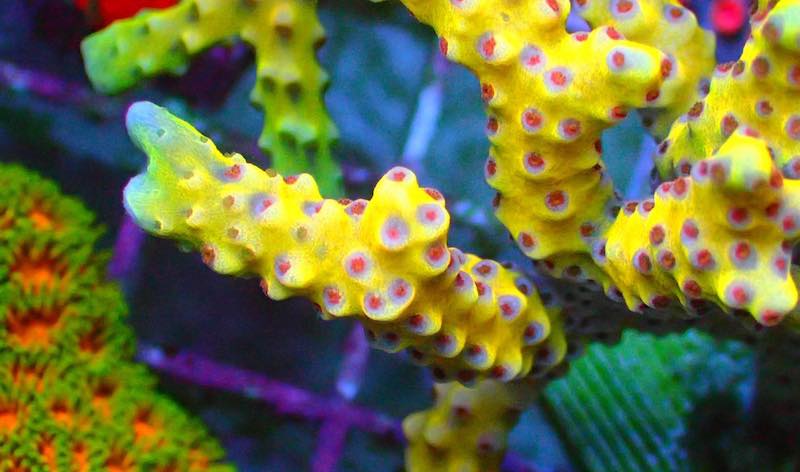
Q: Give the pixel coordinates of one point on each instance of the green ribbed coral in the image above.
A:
(70, 396)
(284, 34)
(629, 406)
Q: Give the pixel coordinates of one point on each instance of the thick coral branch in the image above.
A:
(384, 261)
(722, 235)
(549, 95)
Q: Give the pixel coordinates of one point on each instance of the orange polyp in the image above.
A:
(92, 342)
(48, 452)
(41, 220)
(38, 272)
(100, 399)
(34, 327)
(119, 462)
(80, 457)
(143, 427)
(61, 412)
(9, 417)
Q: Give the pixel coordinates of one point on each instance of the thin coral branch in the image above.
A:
(354, 364)
(285, 398)
(333, 433)
(42, 84)
(126, 250)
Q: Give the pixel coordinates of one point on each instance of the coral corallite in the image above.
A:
(70, 396)
(384, 260)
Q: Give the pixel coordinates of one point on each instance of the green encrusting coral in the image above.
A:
(284, 34)
(71, 398)
(629, 406)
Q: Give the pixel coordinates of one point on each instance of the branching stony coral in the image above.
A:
(284, 34)
(715, 242)
(70, 396)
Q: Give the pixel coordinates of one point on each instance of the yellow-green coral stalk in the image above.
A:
(383, 260)
(284, 34)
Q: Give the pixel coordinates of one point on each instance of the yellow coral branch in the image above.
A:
(722, 235)
(549, 95)
(673, 29)
(760, 90)
(383, 260)
(467, 428)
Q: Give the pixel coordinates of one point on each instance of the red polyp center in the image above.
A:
(558, 77)
(374, 302)
(416, 320)
(739, 215)
(742, 251)
(704, 258)
(357, 265)
(487, 92)
(489, 46)
(624, 6)
(666, 68)
(334, 296)
(740, 295)
(533, 119)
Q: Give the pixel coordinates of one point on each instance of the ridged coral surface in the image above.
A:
(284, 35)
(70, 397)
(384, 260)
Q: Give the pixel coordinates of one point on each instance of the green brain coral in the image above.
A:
(70, 396)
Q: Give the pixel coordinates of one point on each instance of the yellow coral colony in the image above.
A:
(668, 26)
(383, 260)
(549, 95)
(761, 90)
(721, 234)
(284, 35)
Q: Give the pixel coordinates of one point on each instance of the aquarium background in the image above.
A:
(395, 101)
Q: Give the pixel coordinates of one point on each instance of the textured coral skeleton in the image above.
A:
(712, 248)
